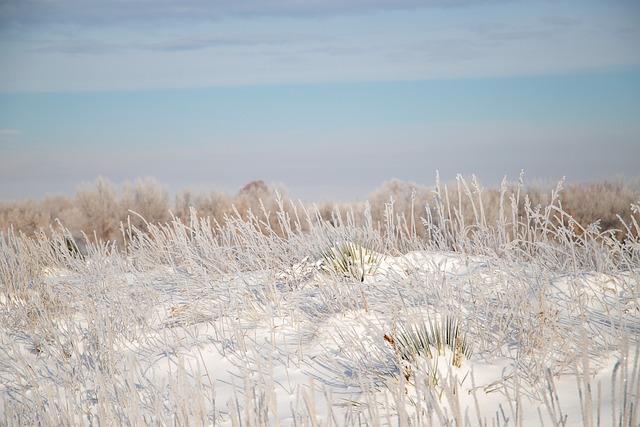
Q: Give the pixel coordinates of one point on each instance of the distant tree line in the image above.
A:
(100, 210)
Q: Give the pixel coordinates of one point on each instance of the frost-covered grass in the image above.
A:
(532, 320)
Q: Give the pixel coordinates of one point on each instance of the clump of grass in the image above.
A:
(351, 260)
(431, 340)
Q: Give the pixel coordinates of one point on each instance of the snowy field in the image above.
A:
(286, 319)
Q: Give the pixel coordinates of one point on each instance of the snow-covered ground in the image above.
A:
(240, 326)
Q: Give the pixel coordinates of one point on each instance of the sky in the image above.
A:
(328, 98)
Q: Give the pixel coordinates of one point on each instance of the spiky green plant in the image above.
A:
(425, 338)
(351, 260)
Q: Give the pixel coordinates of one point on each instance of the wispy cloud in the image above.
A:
(118, 11)
(81, 46)
(173, 43)
(78, 47)
(561, 21)
(221, 40)
(502, 31)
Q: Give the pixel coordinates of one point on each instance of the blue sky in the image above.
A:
(329, 98)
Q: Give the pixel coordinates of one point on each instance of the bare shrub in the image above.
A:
(26, 216)
(327, 211)
(258, 198)
(250, 197)
(467, 203)
(99, 208)
(61, 210)
(213, 205)
(60, 207)
(409, 202)
(183, 202)
(600, 201)
(147, 198)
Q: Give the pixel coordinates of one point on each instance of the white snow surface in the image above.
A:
(127, 341)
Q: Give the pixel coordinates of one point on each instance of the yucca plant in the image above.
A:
(351, 260)
(430, 339)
